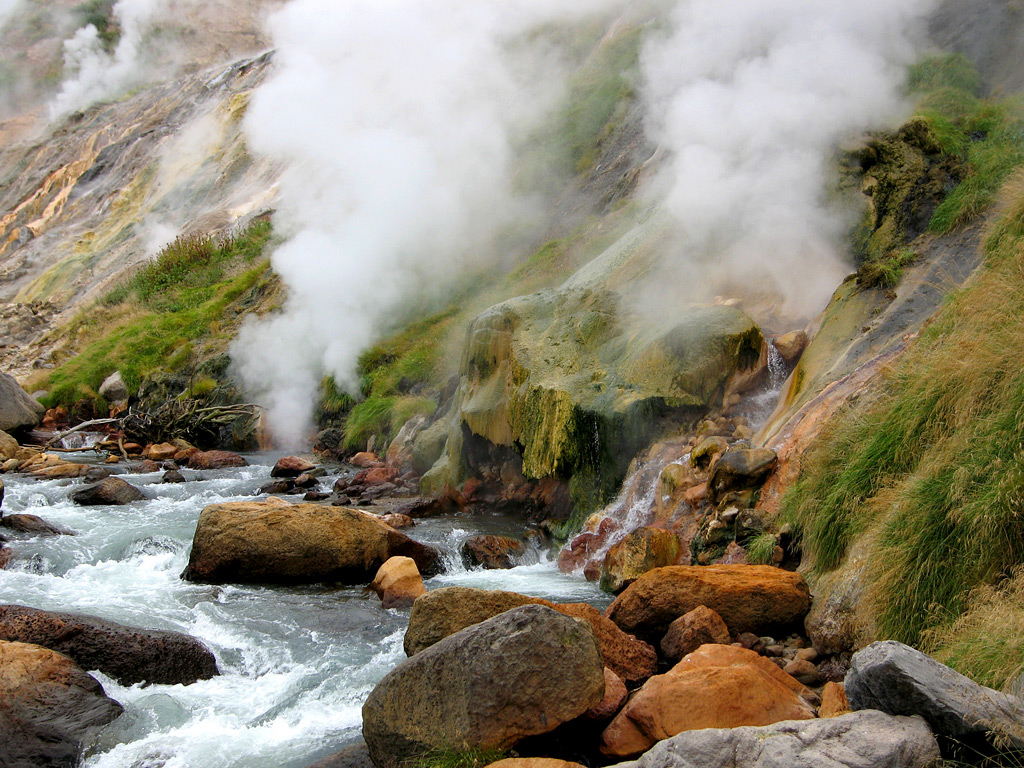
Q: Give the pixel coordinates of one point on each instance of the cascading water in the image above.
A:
(296, 663)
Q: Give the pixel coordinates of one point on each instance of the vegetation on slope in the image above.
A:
(941, 170)
(152, 323)
(932, 473)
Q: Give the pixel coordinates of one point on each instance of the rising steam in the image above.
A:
(394, 121)
(750, 99)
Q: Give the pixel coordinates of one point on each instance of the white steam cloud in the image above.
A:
(97, 75)
(750, 98)
(394, 120)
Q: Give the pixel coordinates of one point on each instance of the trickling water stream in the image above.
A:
(296, 663)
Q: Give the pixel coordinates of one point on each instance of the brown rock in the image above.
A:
(804, 671)
(640, 551)
(128, 654)
(398, 582)
(833, 701)
(132, 448)
(692, 630)
(8, 447)
(491, 552)
(111, 490)
(442, 612)
(50, 707)
(62, 471)
(521, 673)
(215, 460)
(364, 459)
(291, 466)
(615, 695)
(696, 495)
(306, 480)
(6, 553)
(379, 476)
(397, 520)
(718, 686)
(31, 524)
(749, 598)
(739, 470)
(148, 465)
(160, 451)
(184, 454)
(791, 345)
(274, 542)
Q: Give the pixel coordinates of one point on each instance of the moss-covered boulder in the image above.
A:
(572, 383)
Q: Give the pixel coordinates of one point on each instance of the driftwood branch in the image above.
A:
(84, 425)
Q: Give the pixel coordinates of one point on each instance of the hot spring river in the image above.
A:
(296, 663)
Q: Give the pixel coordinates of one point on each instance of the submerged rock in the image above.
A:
(275, 542)
(519, 674)
(50, 707)
(491, 552)
(859, 740)
(31, 524)
(111, 490)
(900, 680)
(291, 466)
(128, 654)
(215, 460)
(749, 598)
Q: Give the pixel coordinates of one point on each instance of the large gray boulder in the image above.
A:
(519, 674)
(128, 654)
(900, 680)
(18, 409)
(863, 739)
(112, 491)
(49, 708)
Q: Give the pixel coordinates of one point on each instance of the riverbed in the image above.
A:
(296, 663)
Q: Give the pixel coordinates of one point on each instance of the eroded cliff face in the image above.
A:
(104, 189)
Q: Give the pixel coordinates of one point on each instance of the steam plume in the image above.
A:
(750, 97)
(394, 120)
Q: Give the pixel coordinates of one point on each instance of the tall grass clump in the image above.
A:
(933, 467)
(152, 320)
(987, 135)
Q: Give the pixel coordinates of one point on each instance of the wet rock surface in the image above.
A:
(128, 654)
(519, 674)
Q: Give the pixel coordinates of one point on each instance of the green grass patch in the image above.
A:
(885, 271)
(933, 467)
(470, 757)
(152, 321)
(761, 548)
(987, 135)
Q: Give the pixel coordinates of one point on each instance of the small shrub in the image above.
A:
(761, 548)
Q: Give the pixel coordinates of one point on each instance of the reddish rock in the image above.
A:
(62, 471)
(491, 552)
(696, 495)
(833, 700)
(364, 459)
(146, 466)
(534, 762)
(398, 582)
(132, 448)
(717, 686)
(615, 695)
(749, 598)
(804, 671)
(306, 480)
(397, 520)
(215, 460)
(379, 475)
(160, 451)
(692, 630)
(291, 466)
(578, 552)
(184, 454)
(6, 553)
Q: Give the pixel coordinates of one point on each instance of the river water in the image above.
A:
(296, 663)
